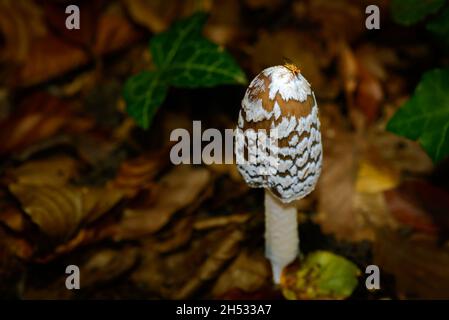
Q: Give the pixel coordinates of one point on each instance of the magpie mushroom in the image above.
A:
(280, 100)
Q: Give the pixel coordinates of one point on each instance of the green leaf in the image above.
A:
(183, 58)
(201, 63)
(323, 275)
(408, 12)
(166, 45)
(143, 94)
(440, 26)
(425, 117)
(191, 61)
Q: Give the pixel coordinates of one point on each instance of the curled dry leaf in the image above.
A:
(107, 264)
(420, 206)
(59, 211)
(176, 237)
(177, 190)
(214, 222)
(224, 251)
(224, 23)
(114, 32)
(249, 272)
(300, 48)
(139, 173)
(20, 23)
(39, 117)
(419, 265)
(51, 57)
(362, 88)
(55, 171)
(157, 15)
(346, 14)
(11, 217)
(48, 56)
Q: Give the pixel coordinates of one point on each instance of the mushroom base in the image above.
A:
(281, 234)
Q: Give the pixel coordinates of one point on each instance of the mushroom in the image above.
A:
(279, 100)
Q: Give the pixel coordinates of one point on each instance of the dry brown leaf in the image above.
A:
(20, 23)
(160, 273)
(177, 190)
(114, 32)
(60, 210)
(224, 24)
(346, 14)
(369, 96)
(157, 15)
(105, 265)
(419, 205)
(39, 117)
(348, 71)
(15, 245)
(139, 173)
(225, 250)
(300, 48)
(263, 4)
(51, 57)
(11, 217)
(174, 238)
(249, 272)
(419, 266)
(55, 171)
(214, 222)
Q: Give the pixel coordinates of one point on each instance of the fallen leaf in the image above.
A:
(178, 189)
(214, 222)
(55, 171)
(249, 272)
(39, 117)
(139, 173)
(60, 210)
(419, 205)
(419, 266)
(105, 265)
(20, 24)
(224, 251)
(157, 15)
(375, 175)
(322, 275)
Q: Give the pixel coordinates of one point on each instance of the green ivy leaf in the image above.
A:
(201, 63)
(323, 275)
(408, 12)
(143, 94)
(425, 117)
(183, 58)
(166, 46)
(440, 25)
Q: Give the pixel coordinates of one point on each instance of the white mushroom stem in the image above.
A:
(281, 234)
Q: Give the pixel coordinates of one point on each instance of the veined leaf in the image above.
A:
(201, 63)
(183, 58)
(166, 45)
(425, 117)
(322, 275)
(408, 12)
(143, 94)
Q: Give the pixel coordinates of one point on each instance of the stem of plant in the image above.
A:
(281, 234)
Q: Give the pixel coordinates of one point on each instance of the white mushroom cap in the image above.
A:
(281, 98)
